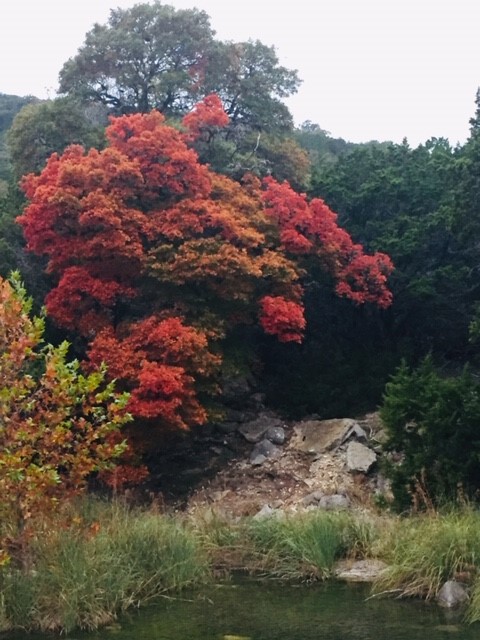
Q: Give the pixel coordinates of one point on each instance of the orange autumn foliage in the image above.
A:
(157, 257)
(310, 228)
(205, 118)
(57, 425)
(158, 359)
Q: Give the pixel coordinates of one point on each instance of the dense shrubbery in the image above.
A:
(57, 425)
(108, 559)
(433, 423)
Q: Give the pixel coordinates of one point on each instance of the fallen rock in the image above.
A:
(265, 512)
(335, 501)
(359, 570)
(254, 430)
(312, 498)
(275, 435)
(452, 594)
(263, 450)
(356, 432)
(360, 457)
(269, 512)
(319, 436)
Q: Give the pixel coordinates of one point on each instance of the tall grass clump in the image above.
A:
(304, 546)
(473, 613)
(84, 577)
(224, 541)
(294, 546)
(425, 551)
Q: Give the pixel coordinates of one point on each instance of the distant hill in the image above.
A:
(322, 148)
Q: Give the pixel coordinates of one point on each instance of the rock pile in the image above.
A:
(309, 464)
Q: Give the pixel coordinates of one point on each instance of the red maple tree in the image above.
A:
(157, 257)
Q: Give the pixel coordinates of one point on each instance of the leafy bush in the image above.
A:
(434, 423)
(57, 425)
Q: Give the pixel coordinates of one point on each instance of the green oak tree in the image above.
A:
(42, 128)
(152, 56)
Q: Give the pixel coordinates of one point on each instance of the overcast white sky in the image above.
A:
(371, 69)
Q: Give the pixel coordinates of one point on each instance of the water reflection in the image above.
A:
(251, 610)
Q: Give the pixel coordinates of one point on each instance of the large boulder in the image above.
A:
(360, 457)
(263, 450)
(254, 430)
(319, 436)
(334, 502)
(452, 594)
(360, 570)
(275, 435)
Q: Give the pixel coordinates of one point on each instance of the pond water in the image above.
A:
(270, 611)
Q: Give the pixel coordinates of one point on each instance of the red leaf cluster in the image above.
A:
(158, 361)
(282, 318)
(207, 116)
(310, 229)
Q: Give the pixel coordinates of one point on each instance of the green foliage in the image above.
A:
(58, 426)
(433, 422)
(84, 576)
(323, 150)
(251, 84)
(152, 56)
(416, 205)
(149, 56)
(11, 239)
(9, 106)
(13, 256)
(43, 128)
(424, 552)
(400, 200)
(237, 151)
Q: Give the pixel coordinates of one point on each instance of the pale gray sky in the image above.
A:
(371, 69)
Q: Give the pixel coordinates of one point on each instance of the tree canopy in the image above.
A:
(41, 128)
(152, 56)
(158, 258)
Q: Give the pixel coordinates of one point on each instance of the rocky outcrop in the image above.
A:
(319, 436)
(266, 422)
(335, 502)
(309, 464)
(319, 499)
(359, 570)
(263, 450)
